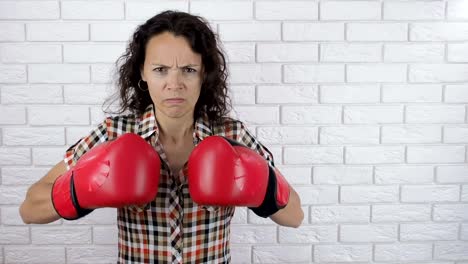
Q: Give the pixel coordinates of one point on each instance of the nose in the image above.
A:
(174, 80)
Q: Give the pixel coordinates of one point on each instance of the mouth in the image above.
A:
(175, 100)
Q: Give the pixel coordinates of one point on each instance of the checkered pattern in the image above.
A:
(172, 228)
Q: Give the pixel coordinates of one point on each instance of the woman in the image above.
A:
(172, 80)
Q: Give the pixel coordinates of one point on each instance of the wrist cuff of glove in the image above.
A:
(276, 197)
(64, 198)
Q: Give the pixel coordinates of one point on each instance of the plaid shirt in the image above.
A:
(172, 228)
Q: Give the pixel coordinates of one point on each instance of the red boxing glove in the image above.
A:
(224, 172)
(116, 173)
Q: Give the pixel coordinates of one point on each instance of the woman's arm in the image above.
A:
(291, 215)
(37, 208)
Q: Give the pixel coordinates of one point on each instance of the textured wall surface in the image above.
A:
(363, 103)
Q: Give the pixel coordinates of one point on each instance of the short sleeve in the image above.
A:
(96, 136)
(246, 137)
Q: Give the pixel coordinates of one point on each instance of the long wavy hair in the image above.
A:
(213, 101)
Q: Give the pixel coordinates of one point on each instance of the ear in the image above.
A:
(142, 73)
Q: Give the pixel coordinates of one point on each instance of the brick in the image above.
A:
(58, 73)
(215, 10)
(240, 52)
(318, 194)
(10, 216)
(377, 32)
(241, 254)
(349, 135)
(411, 93)
(250, 31)
(242, 94)
(342, 175)
(310, 114)
(35, 254)
(323, 31)
(430, 193)
(33, 136)
(374, 155)
(435, 154)
(340, 214)
(319, 73)
(376, 73)
(450, 212)
(411, 134)
(53, 115)
(255, 73)
(287, 94)
(464, 194)
(429, 73)
(240, 216)
(289, 52)
(455, 134)
(142, 10)
(85, 94)
(15, 156)
(92, 53)
(403, 174)
(368, 194)
(12, 115)
(417, 10)
(457, 52)
(286, 10)
(12, 31)
(258, 115)
(75, 133)
(313, 155)
(30, 53)
(92, 10)
(281, 254)
(403, 252)
(342, 253)
(92, 254)
(103, 73)
(457, 93)
(428, 231)
(103, 235)
(353, 10)
(401, 213)
(31, 94)
(21, 176)
(241, 234)
(308, 234)
(369, 233)
(456, 9)
(112, 31)
(29, 10)
(435, 114)
(14, 235)
(414, 52)
(349, 93)
(346, 52)
(57, 31)
(296, 175)
(288, 135)
(48, 156)
(452, 174)
(60, 235)
(438, 31)
(12, 73)
(451, 250)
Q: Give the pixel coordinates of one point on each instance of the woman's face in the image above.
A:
(174, 74)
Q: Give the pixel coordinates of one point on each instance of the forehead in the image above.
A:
(166, 47)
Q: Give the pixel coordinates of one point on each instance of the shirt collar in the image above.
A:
(148, 125)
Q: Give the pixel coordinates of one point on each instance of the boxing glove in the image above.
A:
(116, 173)
(224, 172)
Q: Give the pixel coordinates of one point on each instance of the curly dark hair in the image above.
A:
(213, 101)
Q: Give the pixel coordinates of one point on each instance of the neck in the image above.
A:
(175, 130)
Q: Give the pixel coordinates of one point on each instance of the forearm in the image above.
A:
(291, 215)
(37, 208)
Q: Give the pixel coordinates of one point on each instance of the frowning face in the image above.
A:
(174, 75)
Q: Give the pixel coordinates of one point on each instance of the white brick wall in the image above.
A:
(364, 105)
